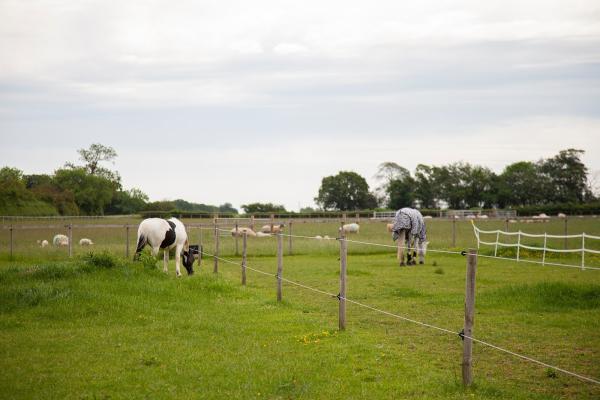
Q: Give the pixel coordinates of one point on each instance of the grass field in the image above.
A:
(104, 327)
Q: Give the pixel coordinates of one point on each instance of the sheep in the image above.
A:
(389, 227)
(318, 237)
(42, 243)
(561, 215)
(85, 242)
(241, 230)
(166, 234)
(350, 228)
(60, 240)
(276, 228)
(262, 234)
(409, 228)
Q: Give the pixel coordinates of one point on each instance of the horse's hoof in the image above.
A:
(421, 262)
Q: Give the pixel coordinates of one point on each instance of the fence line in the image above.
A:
(424, 324)
(545, 249)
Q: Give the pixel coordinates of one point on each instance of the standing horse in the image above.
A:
(409, 226)
(165, 234)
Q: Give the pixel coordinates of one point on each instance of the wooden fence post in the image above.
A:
(544, 253)
(290, 239)
(11, 242)
(252, 222)
(216, 268)
(279, 264)
(70, 232)
(496, 246)
(453, 231)
(467, 361)
(126, 241)
(244, 260)
(342, 295)
(236, 239)
(272, 221)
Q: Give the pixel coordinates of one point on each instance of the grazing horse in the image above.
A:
(409, 226)
(165, 234)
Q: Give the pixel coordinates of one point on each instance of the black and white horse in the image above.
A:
(166, 234)
(410, 231)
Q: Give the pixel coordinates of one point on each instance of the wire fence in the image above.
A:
(462, 335)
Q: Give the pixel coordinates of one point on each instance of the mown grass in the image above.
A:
(103, 327)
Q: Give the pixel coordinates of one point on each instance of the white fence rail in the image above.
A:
(544, 250)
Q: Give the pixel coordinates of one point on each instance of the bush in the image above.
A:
(102, 260)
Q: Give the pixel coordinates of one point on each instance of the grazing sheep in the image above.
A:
(262, 234)
(561, 215)
(85, 242)
(166, 234)
(409, 226)
(350, 228)
(276, 228)
(42, 243)
(241, 230)
(60, 240)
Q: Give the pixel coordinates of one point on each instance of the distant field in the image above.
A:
(110, 328)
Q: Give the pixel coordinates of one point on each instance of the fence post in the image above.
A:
(467, 362)
(290, 239)
(566, 233)
(518, 245)
(496, 248)
(453, 231)
(544, 253)
(252, 222)
(236, 239)
(506, 223)
(11, 242)
(272, 219)
(279, 264)
(583, 251)
(126, 241)
(216, 268)
(342, 295)
(244, 255)
(70, 232)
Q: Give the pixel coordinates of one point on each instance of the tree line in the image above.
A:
(560, 179)
(89, 188)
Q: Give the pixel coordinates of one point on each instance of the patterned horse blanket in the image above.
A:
(410, 220)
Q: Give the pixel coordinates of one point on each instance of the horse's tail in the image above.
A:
(142, 240)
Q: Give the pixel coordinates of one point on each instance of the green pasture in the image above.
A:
(101, 326)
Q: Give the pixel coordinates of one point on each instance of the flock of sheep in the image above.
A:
(63, 240)
(267, 230)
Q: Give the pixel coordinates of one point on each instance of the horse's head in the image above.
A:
(188, 257)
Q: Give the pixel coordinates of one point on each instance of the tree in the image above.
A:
(256, 208)
(387, 172)
(92, 193)
(127, 202)
(425, 189)
(566, 176)
(345, 191)
(521, 184)
(227, 208)
(96, 154)
(401, 193)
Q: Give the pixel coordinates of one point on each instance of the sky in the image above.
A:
(257, 101)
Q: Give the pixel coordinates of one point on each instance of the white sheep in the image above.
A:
(85, 242)
(350, 228)
(60, 240)
(561, 215)
(241, 230)
(276, 228)
(262, 234)
(42, 243)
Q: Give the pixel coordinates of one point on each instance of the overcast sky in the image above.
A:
(257, 101)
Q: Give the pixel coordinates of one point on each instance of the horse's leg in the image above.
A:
(166, 260)
(401, 245)
(178, 259)
(421, 252)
